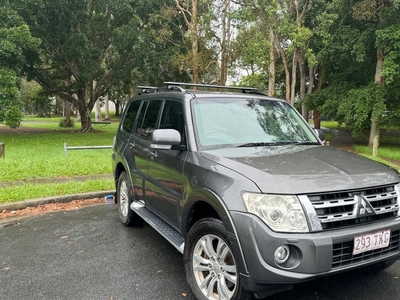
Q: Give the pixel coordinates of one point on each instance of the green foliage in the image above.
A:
(36, 100)
(10, 105)
(389, 39)
(361, 105)
(257, 80)
(13, 117)
(254, 48)
(86, 47)
(328, 100)
(15, 40)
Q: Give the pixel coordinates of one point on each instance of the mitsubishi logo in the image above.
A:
(362, 206)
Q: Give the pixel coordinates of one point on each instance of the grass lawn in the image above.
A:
(36, 150)
(39, 153)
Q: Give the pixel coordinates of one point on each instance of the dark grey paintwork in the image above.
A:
(182, 185)
(301, 169)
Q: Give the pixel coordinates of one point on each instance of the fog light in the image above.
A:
(282, 254)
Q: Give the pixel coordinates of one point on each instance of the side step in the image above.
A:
(170, 234)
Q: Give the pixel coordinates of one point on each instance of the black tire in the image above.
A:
(215, 265)
(124, 200)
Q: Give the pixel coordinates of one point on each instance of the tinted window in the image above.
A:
(172, 118)
(148, 118)
(130, 116)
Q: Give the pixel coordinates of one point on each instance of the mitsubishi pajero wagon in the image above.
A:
(245, 189)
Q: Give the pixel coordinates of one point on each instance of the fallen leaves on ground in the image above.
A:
(46, 208)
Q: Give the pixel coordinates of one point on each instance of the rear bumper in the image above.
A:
(312, 255)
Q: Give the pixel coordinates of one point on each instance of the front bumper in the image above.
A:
(313, 254)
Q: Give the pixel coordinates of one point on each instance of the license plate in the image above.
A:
(371, 241)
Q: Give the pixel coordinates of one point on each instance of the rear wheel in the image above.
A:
(210, 266)
(126, 215)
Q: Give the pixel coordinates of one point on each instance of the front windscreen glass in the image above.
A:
(233, 122)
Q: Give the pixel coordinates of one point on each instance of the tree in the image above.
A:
(15, 41)
(10, 105)
(83, 42)
(379, 19)
(189, 13)
(119, 97)
(36, 100)
(258, 47)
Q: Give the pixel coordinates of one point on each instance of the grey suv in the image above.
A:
(241, 185)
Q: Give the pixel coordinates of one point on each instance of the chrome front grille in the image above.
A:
(342, 254)
(343, 209)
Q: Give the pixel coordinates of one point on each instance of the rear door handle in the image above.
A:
(131, 145)
(153, 154)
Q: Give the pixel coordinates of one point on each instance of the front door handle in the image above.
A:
(131, 145)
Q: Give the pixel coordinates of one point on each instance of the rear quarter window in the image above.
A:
(130, 116)
(147, 122)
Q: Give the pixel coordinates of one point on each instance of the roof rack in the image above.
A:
(142, 89)
(177, 86)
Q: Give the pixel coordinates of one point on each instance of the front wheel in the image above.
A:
(210, 266)
(126, 215)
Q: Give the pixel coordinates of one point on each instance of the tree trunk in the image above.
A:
(374, 134)
(286, 68)
(310, 88)
(2, 150)
(271, 69)
(107, 107)
(226, 36)
(311, 80)
(316, 119)
(86, 120)
(302, 69)
(116, 103)
(316, 114)
(84, 112)
(294, 74)
(195, 45)
(190, 17)
(67, 114)
(97, 111)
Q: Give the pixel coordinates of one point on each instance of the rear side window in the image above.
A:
(130, 116)
(148, 118)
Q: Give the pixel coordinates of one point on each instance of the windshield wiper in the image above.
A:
(262, 144)
(307, 143)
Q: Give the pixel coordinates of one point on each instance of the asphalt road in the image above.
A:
(88, 254)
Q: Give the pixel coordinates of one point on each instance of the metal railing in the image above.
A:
(66, 148)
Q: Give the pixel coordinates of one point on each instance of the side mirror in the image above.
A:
(320, 133)
(164, 139)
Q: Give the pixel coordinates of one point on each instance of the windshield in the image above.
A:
(232, 122)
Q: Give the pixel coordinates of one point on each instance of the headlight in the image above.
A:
(281, 213)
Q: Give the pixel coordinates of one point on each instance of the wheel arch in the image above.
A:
(119, 168)
(205, 203)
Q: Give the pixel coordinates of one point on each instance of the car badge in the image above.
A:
(363, 207)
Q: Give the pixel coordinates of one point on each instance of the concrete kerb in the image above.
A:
(54, 199)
